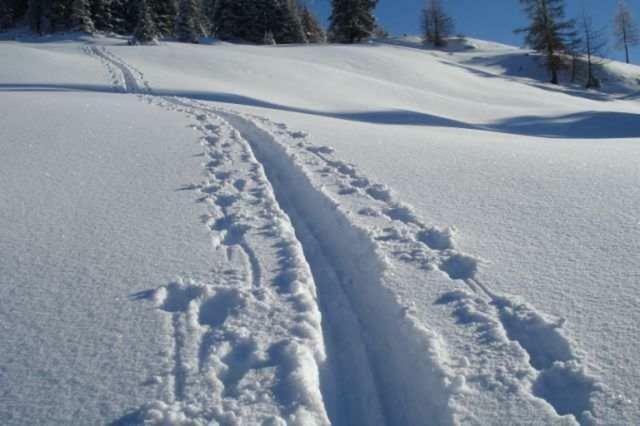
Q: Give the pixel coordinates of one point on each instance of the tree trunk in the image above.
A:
(626, 51)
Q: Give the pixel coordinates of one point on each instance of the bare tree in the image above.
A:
(436, 24)
(594, 43)
(625, 29)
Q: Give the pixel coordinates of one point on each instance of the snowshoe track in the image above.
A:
(248, 157)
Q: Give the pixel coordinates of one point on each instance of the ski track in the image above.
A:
(274, 198)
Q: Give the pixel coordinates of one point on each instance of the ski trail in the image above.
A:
(375, 343)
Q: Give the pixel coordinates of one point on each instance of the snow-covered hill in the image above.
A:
(372, 234)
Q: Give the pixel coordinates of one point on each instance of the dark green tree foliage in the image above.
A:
(38, 16)
(311, 27)
(101, 15)
(163, 13)
(146, 31)
(6, 14)
(124, 16)
(352, 21)
(252, 20)
(548, 31)
(285, 22)
(81, 17)
(188, 22)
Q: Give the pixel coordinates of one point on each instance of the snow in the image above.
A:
(372, 234)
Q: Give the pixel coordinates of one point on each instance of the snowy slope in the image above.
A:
(429, 239)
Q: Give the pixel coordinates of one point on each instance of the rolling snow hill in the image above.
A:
(372, 234)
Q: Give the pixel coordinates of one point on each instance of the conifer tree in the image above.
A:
(548, 31)
(284, 21)
(311, 27)
(436, 24)
(625, 29)
(352, 21)
(124, 16)
(81, 17)
(6, 14)
(101, 14)
(38, 15)
(145, 32)
(163, 14)
(188, 22)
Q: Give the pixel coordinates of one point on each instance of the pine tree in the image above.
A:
(38, 15)
(285, 22)
(625, 29)
(101, 15)
(436, 24)
(124, 16)
(81, 17)
(187, 22)
(163, 13)
(352, 21)
(548, 31)
(145, 32)
(311, 27)
(6, 14)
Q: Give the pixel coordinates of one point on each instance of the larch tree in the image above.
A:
(594, 43)
(625, 29)
(352, 21)
(548, 31)
(436, 24)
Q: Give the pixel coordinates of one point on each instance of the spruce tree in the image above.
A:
(81, 17)
(6, 14)
(352, 21)
(145, 32)
(163, 13)
(38, 15)
(548, 31)
(312, 28)
(625, 29)
(188, 22)
(101, 14)
(285, 22)
(124, 16)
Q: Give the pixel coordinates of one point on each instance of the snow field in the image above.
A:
(329, 299)
(555, 368)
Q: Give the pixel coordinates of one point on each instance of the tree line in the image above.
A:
(564, 43)
(250, 21)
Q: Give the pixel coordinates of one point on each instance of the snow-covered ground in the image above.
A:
(373, 234)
